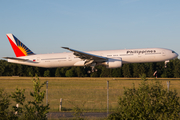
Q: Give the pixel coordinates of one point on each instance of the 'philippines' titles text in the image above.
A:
(140, 51)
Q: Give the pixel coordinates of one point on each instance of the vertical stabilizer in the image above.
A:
(19, 48)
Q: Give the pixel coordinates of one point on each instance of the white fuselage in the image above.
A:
(127, 56)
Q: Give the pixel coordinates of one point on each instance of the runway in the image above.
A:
(57, 115)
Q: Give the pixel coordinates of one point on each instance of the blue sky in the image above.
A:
(86, 25)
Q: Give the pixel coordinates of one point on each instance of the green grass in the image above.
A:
(89, 94)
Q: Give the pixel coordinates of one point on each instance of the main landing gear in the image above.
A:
(92, 68)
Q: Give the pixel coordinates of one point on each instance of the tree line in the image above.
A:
(127, 70)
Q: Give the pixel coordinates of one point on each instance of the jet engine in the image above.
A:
(113, 63)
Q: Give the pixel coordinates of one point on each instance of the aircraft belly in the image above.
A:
(146, 58)
(139, 59)
(62, 63)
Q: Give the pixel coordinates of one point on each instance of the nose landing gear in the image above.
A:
(166, 63)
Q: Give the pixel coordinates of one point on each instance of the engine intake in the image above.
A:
(114, 63)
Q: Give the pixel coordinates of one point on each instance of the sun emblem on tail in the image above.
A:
(23, 50)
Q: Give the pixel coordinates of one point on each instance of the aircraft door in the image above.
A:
(139, 57)
(163, 53)
(38, 59)
(69, 58)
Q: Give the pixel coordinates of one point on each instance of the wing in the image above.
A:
(87, 56)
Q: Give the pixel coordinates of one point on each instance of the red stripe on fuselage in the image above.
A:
(17, 51)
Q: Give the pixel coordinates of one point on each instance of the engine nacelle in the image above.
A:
(114, 63)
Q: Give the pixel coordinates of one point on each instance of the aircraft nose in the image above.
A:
(176, 55)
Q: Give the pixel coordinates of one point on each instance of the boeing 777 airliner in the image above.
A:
(109, 58)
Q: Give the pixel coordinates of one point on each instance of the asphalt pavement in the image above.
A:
(58, 115)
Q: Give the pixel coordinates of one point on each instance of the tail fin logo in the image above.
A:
(19, 48)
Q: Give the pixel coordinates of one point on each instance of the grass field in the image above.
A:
(89, 94)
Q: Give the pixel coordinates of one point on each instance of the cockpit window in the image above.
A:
(173, 52)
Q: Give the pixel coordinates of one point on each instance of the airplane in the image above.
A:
(108, 58)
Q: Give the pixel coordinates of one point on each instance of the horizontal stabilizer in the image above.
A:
(19, 59)
(15, 58)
